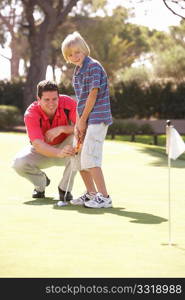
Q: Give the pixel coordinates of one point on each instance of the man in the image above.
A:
(50, 124)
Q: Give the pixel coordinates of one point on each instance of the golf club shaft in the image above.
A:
(69, 180)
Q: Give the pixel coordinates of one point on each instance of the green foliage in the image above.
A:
(128, 99)
(159, 40)
(138, 35)
(122, 127)
(115, 46)
(137, 74)
(146, 129)
(9, 116)
(171, 63)
(157, 99)
(66, 89)
(11, 93)
(178, 33)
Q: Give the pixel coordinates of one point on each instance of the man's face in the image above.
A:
(49, 102)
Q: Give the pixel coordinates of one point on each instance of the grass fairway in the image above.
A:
(128, 240)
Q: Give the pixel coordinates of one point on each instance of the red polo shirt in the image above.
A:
(37, 122)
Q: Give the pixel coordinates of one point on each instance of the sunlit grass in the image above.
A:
(128, 240)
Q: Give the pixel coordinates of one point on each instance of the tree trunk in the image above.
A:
(37, 70)
(14, 63)
(40, 38)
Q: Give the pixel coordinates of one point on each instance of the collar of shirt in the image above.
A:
(83, 68)
(45, 116)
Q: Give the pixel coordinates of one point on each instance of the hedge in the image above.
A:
(121, 127)
(163, 100)
(10, 116)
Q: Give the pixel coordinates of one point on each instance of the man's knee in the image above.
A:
(19, 164)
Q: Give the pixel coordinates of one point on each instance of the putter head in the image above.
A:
(61, 203)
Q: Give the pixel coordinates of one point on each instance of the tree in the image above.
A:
(168, 52)
(10, 16)
(115, 46)
(177, 7)
(42, 20)
(41, 30)
(178, 33)
(106, 42)
(171, 63)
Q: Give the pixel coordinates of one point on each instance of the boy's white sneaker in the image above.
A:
(99, 201)
(83, 199)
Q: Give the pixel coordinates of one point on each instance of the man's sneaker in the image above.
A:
(83, 199)
(99, 202)
(37, 194)
(62, 195)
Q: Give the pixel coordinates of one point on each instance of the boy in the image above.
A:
(93, 118)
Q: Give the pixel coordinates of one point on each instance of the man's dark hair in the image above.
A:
(46, 86)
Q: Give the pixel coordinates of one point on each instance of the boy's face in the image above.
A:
(76, 56)
(49, 102)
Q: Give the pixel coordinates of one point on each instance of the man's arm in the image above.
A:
(51, 134)
(50, 151)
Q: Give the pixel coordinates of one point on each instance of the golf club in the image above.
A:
(64, 202)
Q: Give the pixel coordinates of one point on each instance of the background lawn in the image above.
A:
(128, 240)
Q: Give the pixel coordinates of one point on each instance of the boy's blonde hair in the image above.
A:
(74, 40)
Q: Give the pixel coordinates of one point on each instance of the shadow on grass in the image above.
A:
(162, 159)
(43, 201)
(137, 217)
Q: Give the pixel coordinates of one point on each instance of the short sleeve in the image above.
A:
(70, 105)
(33, 127)
(95, 76)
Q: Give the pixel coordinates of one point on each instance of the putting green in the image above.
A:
(128, 240)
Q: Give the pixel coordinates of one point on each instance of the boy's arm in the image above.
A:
(91, 99)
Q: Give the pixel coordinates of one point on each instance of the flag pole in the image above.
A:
(168, 127)
(175, 146)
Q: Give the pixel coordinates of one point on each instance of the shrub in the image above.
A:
(120, 126)
(146, 129)
(9, 116)
(11, 93)
(137, 74)
(164, 100)
(130, 128)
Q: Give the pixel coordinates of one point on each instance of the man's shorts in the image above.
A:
(92, 149)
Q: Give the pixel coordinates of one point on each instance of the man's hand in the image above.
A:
(50, 151)
(66, 151)
(52, 133)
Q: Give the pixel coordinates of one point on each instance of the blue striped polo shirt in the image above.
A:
(92, 75)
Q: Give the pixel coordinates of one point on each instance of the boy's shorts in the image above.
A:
(92, 149)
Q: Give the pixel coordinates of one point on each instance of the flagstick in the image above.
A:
(168, 134)
(169, 199)
(175, 146)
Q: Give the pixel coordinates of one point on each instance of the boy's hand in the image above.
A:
(82, 126)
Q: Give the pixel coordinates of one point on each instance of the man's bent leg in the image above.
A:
(28, 163)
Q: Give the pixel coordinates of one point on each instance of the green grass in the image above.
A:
(148, 140)
(128, 240)
(140, 138)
